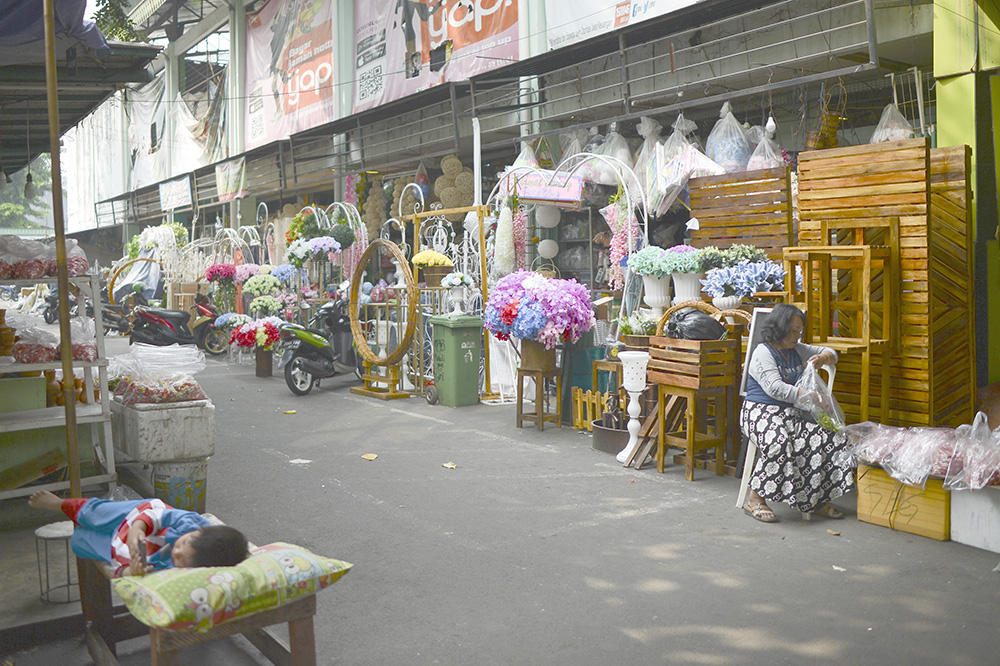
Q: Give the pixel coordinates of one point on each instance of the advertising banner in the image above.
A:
(572, 21)
(404, 46)
(289, 69)
(175, 194)
(231, 179)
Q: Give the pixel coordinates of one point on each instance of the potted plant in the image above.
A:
(635, 329)
(729, 285)
(541, 312)
(260, 335)
(433, 265)
(656, 265)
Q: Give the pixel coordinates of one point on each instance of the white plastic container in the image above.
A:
(975, 518)
(164, 432)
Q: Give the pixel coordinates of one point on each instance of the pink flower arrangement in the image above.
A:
(245, 271)
(224, 273)
(529, 306)
(520, 238)
(261, 333)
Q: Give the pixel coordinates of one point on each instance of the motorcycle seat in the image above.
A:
(316, 331)
(170, 315)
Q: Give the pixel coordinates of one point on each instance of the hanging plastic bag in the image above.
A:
(572, 143)
(615, 146)
(766, 155)
(526, 158)
(692, 324)
(423, 181)
(543, 152)
(649, 130)
(727, 144)
(815, 397)
(892, 126)
(680, 138)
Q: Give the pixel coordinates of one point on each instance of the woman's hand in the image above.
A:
(826, 358)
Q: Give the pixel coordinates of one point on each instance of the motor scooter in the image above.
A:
(51, 311)
(309, 354)
(214, 341)
(154, 326)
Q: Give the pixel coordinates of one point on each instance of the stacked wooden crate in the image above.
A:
(751, 207)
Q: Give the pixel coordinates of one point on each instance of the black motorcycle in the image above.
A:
(153, 326)
(309, 354)
(51, 312)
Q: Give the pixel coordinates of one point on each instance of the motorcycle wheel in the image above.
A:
(300, 381)
(49, 315)
(216, 342)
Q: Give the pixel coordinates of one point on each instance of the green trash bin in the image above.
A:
(458, 345)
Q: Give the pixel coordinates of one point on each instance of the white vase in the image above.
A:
(656, 293)
(457, 295)
(687, 287)
(727, 302)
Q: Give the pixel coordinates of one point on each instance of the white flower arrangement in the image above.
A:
(456, 280)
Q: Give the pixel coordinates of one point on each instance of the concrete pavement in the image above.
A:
(538, 549)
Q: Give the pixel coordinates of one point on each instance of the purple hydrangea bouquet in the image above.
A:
(529, 306)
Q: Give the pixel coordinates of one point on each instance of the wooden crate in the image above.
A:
(693, 364)
(749, 207)
(884, 501)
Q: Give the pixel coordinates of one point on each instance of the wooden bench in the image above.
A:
(106, 625)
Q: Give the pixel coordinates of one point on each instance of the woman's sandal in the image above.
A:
(760, 511)
(829, 511)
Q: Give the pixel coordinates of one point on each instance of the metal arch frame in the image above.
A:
(357, 224)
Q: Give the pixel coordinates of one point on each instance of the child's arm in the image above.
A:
(136, 542)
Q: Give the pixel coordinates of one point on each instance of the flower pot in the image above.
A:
(534, 356)
(608, 440)
(265, 361)
(656, 293)
(687, 287)
(433, 274)
(457, 295)
(726, 302)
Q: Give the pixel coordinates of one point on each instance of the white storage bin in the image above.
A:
(164, 432)
(975, 518)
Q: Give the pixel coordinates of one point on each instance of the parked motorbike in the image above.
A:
(309, 354)
(154, 326)
(51, 311)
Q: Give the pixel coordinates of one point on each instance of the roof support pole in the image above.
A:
(62, 275)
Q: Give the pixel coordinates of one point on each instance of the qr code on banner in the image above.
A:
(257, 126)
(370, 83)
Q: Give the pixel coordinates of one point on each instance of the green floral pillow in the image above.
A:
(198, 599)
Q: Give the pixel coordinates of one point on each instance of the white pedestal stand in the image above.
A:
(634, 381)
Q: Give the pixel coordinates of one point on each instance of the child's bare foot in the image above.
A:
(43, 499)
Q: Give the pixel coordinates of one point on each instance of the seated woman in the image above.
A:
(794, 454)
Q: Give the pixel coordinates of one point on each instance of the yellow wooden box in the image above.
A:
(884, 501)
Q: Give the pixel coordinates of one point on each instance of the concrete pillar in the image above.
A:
(171, 89)
(966, 52)
(236, 89)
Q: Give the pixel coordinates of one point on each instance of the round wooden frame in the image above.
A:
(360, 341)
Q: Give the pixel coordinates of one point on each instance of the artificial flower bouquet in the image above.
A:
(430, 258)
(528, 306)
(265, 305)
(224, 273)
(245, 271)
(299, 252)
(324, 248)
(744, 279)
(261, 333)
(456, 280)
(640, 322)
(287, 272)
(262, 285)
(659, 262)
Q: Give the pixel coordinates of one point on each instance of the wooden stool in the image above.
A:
(540, 415)
(695, 437)
(609, 366)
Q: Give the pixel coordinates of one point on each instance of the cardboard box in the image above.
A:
(884, 501)
(975, 518)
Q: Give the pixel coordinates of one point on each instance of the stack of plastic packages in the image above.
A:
(150, 374)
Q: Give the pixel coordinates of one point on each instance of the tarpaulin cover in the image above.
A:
(21, 22)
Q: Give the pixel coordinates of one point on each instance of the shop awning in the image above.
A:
(89, 71)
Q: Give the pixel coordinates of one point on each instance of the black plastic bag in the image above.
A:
(692, 324)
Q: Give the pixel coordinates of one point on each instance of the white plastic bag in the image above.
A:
(614, 146)
(892, 126)
(815, 397)
(526, 158)
(680, 138)
(765, 156)
(83, 339)
(571, 143)
(727, 144)
(649, 130)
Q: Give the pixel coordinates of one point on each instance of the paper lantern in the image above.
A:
(548, 248)
(547, 216)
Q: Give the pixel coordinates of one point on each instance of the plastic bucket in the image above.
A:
(182, 484)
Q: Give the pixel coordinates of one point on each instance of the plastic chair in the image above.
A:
(751, 454)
